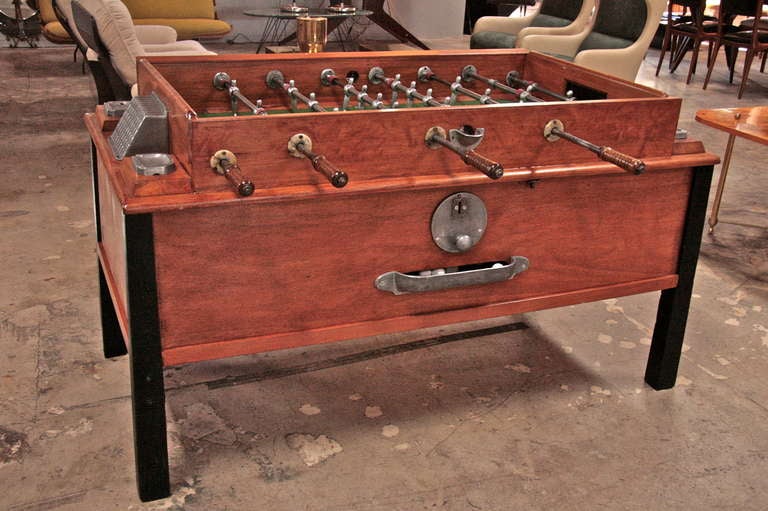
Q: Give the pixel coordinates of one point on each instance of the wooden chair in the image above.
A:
(753, 40)
(763, 25)
(687, 32)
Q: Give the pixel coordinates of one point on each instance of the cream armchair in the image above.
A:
(615, 43)
(106, 28)
(154, 38)
(552, 17)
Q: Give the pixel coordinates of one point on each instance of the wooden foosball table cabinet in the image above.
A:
(324, 197)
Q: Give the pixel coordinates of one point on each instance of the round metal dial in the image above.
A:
(459, 222)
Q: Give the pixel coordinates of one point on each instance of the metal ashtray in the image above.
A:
(154, 164)
(115, 108)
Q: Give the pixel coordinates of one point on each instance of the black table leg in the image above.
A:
(147, 386)
(672, 314)
(111, 335)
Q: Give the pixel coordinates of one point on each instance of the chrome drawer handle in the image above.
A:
(403, 283)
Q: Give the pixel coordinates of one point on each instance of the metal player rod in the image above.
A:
(469, 73)
(437, 136)
(376, 76)
(426, 74)
(514, 77)
(555, 129)
(328, 77)
(222, 81)
(276, 80)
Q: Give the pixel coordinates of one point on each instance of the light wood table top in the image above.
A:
(748, 122)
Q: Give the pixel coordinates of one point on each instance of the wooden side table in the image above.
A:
(747, 122)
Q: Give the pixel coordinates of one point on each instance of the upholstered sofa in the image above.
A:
(192, 19)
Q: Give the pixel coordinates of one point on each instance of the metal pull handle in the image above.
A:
(403, 283)
(224, 162)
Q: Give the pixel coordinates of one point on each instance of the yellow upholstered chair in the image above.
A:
(191, 19)
(52, 27)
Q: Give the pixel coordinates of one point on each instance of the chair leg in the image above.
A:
(745, 75)
(762, 66)
(710, 53)
(680, 48)
(711, 66)
(731, 54)
(694, 60)
(664, 48)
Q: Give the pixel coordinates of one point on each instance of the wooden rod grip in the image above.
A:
(622, 160)
(242, 184)
(488, 167)
(337, 177)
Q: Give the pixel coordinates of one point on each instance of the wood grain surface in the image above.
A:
(748, 122)
(390, 144)
(295, 263)
(254, 270)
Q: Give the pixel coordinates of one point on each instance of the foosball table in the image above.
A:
(258, 202)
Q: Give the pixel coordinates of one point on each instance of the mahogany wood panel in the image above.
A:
(372, 145)
(685, 155)
(232, 348)
(249, 269)
(194, 80)
(192, 76)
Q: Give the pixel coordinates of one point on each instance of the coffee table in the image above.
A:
(747, 122)
(278, 21)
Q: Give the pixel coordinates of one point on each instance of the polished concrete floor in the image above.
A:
(539, 411)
